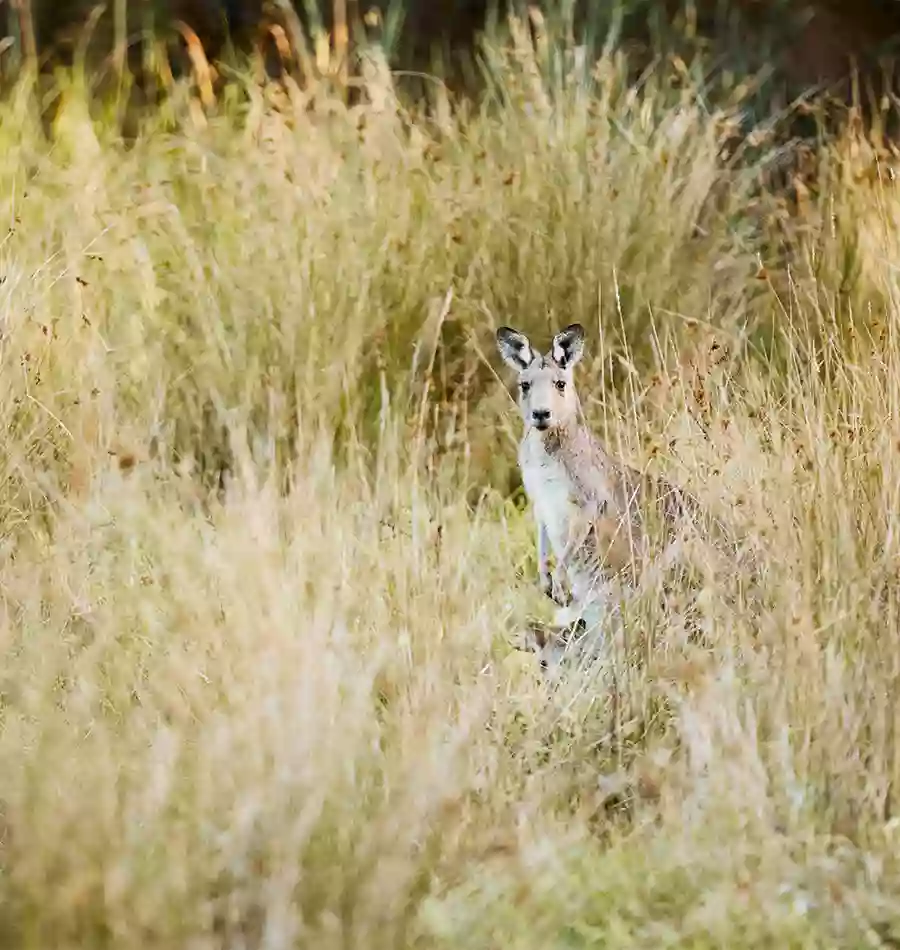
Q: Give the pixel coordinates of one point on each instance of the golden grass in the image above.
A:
(261, 574)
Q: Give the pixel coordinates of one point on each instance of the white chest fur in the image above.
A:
(550, 490)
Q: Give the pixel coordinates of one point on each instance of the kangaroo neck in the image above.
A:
(558, 439)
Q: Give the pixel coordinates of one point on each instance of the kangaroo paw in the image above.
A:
(553, 588)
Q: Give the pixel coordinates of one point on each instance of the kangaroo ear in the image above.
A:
(515, 348)
(568, 346)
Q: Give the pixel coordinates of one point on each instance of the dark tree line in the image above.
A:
(821, 39)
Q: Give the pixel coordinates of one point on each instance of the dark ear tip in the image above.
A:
(574, 328)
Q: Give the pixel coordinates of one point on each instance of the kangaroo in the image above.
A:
(589, 508)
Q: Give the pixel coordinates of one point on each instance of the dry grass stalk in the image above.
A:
(199, 63)
(25, 17)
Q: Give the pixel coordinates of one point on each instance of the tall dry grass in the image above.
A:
(262, 570)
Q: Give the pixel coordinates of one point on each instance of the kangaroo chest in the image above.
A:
(550, 490)
(558, 498)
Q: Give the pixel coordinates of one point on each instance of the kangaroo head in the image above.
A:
(547, 397)
(551, 643)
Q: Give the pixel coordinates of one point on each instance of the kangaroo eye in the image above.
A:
(560, 384)
(525, 387)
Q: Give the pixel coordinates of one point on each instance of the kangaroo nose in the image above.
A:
(540, 416)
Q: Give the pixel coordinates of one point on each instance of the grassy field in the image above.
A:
(264, 553)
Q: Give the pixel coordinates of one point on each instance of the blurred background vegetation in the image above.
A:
(775, 81)
(802, 45)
